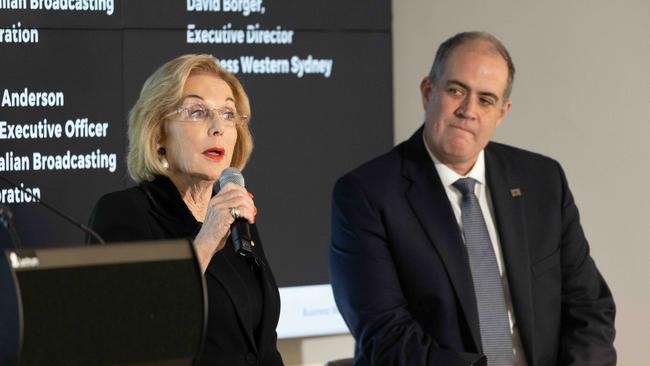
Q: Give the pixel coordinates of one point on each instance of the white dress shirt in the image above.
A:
(482, 192)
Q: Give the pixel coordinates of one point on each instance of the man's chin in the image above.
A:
(460, 158)
(461, 153)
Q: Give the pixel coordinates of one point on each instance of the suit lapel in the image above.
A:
(222, 270)
(271, 306)
(271, 296)
(429, 202)
(508, 198)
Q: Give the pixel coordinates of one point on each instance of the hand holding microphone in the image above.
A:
(229, 211)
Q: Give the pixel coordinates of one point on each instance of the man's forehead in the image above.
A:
(477, 61)
(478, 45)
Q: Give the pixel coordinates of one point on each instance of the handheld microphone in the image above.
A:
(69, 219)
(240, 231)
(6, 216)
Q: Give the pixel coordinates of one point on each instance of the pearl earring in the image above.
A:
(163, 160)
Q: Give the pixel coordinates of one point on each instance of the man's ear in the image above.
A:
(426, 87)
(504, 111)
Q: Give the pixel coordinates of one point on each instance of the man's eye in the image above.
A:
(454, 91)
(486, 101)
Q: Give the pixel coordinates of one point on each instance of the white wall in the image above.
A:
(582, 96)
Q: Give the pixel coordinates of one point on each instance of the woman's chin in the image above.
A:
(195, 178)
(212, 170)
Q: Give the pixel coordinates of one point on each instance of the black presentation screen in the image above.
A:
(318, 74)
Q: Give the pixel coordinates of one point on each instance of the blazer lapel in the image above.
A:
(270, 311)
(168, 208)
(270, 294)
(234, 286)
(508, 198)
(428, 199)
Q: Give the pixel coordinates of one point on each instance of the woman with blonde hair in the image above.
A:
(188, 125)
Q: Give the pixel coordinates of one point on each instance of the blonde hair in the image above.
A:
(159, 97)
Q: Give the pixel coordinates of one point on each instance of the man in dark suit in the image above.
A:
(454, 250)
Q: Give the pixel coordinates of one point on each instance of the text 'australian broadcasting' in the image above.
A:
(96, 159)
(106, 6)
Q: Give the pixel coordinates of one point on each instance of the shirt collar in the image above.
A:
(448, 176)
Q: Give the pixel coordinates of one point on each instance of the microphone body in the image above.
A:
(240, 231)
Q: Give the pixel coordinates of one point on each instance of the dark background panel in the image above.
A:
(91, 83)
(308, 131)
(301, 15)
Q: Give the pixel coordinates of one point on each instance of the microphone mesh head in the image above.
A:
(231, 175)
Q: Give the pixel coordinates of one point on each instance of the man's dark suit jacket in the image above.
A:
(155, 210)
(401, 277)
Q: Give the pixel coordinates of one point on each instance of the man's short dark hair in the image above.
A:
(459, 39)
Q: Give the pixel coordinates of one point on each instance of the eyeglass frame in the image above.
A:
(211, 116)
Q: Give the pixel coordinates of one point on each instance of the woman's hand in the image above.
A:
(218, 219)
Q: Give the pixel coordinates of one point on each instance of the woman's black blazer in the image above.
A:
(155, 210)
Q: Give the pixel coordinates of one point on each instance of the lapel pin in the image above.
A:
(515, 192)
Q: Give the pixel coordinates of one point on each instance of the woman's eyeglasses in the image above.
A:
(201, 113)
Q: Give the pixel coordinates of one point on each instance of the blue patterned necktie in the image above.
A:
(493, 316)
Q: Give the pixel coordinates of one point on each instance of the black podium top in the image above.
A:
(117, 304)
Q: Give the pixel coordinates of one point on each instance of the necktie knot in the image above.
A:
(465, 185)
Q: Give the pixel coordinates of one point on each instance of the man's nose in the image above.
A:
(467, 108)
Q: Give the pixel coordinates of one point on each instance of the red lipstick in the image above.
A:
(215, 153)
